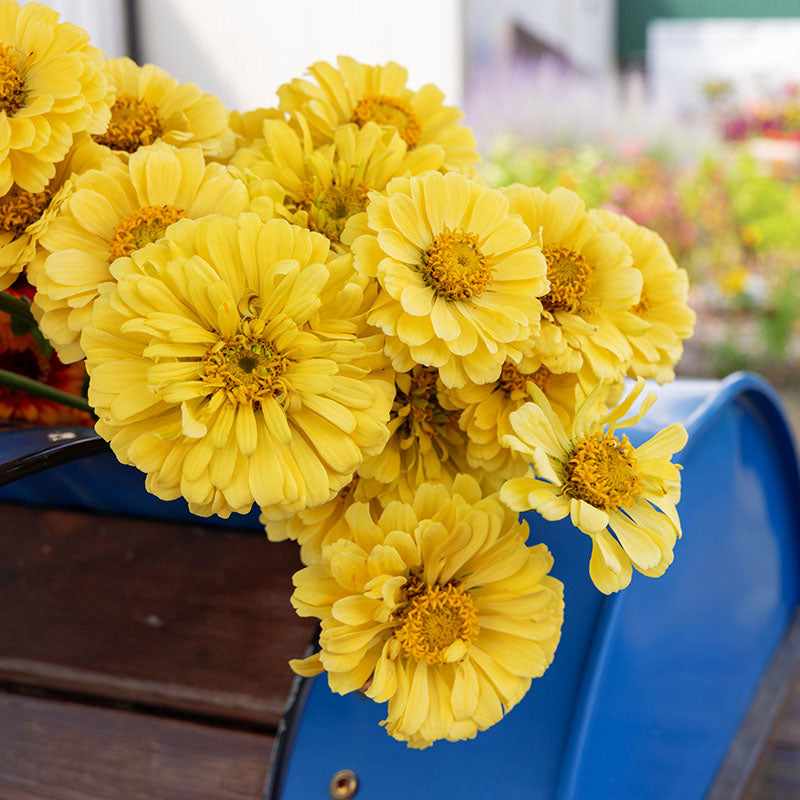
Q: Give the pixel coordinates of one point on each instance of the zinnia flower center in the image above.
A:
(346, 492)
(434, 619)
(417, 406)
(455, 267)
(145, 225)
(20, 208)
(329, 209)
(12, 80)
(386, 110)
(246, 368)
(133, 123)
(513, 382)
(569, 274)
(602, 471)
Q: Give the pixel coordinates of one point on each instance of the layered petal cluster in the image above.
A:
(315, 528)
(486, 409)
(52, 87)
(425, 445)
(586, 322)
(25, 216)
(153, 106)
(425, 442)
(247, 126)
(664, 301)
(437, 607)
(601, 480)
(206, 371)
(323, 188)
(361, 93)
(460, 276)
(111, 213)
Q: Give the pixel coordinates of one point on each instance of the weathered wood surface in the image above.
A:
(745, 773)
(777, 774)
(168, 615)
(51, 750)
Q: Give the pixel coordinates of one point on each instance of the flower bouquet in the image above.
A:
(321, 310)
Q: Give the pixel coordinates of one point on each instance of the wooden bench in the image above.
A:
(140, 659)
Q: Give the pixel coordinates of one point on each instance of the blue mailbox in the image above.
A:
(648, 686)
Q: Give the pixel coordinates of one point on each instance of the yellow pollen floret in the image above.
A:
(569, 274)
(541, 378)
(329, 209)
(247, 369)
(512, 380)
(12, 80)
(602, 470)
(386, 110)
(346, 493)
(420, 408)
(643, 306)
(19, 209)
(145, 225)
(133, 123)
(434, 618)
(455, 267)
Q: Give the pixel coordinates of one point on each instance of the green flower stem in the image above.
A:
(15, 306)
(22, 320)
(23, 384)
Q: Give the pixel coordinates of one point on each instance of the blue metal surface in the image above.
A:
(648, 686)
(97, 483)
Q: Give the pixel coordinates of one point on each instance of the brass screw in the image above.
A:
(343, 785)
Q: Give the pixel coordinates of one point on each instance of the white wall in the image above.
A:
(242, 50)
(103, 19)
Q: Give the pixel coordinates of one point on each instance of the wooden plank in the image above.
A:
(787, 730)
(777, 776)
(51, 750)
(169, 615)
(741, 762)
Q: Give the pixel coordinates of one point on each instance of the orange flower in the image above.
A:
(23, 356)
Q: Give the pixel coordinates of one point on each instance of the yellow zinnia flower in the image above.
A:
(425, 442)
(151, 106)
(207, 372)
(322, 188)
(425, 445)
(459, 275)
(663, 303)
(111, 213)
(247, 126)
(26, 216)
(361, 93)
(487, 408)
(315, 528)
(586, 324)
(599, 479)
(52, 86)
(437, 607)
